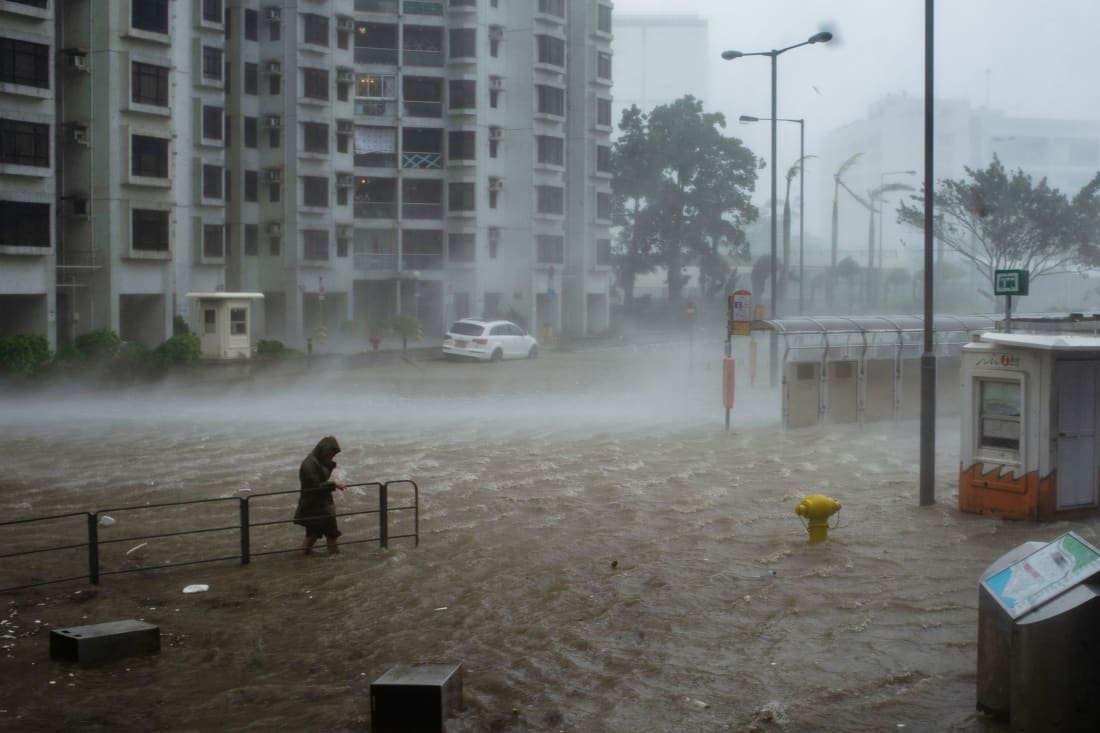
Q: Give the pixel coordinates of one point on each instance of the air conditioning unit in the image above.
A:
(345, 76)
(274, 175)
(496, 32)
(79, 134)
(344, 127)
(344, 231)
(274, 228)
(80, 207)
(496, 83)
(274, 67)
(495, 133)
(274, 122)
(273, 13)
(345, 180)
(345, 24)
(77, 61)
(495, 184)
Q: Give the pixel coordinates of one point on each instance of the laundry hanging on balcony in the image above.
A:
(375, 140)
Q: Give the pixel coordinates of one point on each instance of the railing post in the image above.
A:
(245, 544)
(93, 549)
(383, 520)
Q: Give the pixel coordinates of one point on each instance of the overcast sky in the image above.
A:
(1027, 58)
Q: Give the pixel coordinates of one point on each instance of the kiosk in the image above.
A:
(225, 324)
(1029, 439)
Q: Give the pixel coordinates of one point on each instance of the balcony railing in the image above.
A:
(414, 57)
(376, 210)
(423, 109)
(371, 55)
(377, 6)
(422, 161)
(430, 261)
(374, 261)
(415, 210)
(420, 7)
(79, 258)
(376, 107)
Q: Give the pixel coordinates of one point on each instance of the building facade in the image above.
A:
(349, 159)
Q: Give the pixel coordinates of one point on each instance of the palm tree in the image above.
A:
(837, 182)
(794, 170)
(876, 194)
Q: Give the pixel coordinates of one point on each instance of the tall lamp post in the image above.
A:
(801, 191)
(822, 37)
(881, 211)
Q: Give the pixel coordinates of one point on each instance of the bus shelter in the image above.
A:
(861, 369)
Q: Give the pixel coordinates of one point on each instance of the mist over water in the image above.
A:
(596, 551)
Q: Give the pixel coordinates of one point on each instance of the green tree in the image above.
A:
(682, 193)
(997, 221)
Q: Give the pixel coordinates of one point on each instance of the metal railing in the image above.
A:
(242, 524)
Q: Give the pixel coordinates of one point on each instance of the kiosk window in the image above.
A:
(999, 421)
(238, 321)
(210, 321)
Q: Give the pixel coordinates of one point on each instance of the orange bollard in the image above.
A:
(727, 382)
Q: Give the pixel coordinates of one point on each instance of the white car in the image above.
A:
(476, 338)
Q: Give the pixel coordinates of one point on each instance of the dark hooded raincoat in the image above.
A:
(316, 508)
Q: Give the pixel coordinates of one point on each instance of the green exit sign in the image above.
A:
(1010, 282)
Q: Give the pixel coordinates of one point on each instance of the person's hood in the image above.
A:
(326, 449)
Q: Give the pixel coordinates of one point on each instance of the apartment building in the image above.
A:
(349, 159)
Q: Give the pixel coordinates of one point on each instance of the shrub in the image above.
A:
(405, 326)
(23, 353)
(179, 326)
(101, 342)
(181, 349)
(270, 348)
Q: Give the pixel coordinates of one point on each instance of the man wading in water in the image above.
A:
(316, 508)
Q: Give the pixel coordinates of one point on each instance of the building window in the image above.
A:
(551, 248)
(603, 251)
(149, 15)
(462, 43)
(251, 131)
(999, 418)
(149, 84)
(274, 246)
(211, 181)
(212, 123)
(212, 63)
(209, 321)
(462, 145)
(315, 29)
(494, 242)
(315, 244)
(251, 185)
(603, 65)
(495, 134)
(238, 321)
(274, 85)
(551, 50)
(603, 112)
(251, 240)
(462, 94)
(251, 78)
(315, 83)
(148, 156)
(552, 7)
(26, 224)
(551, 100)
(496, 33)
(550, 199)
(461, 247)
(603, 158)
(461, 197)
(495, 186)
(149, 230)
(550, 150)
(213, 241)
(212, 11)
(315, 137)
(315, 191)
(24, 143)
(251, 25)
(603, 18)
(603, 206)
(22, 62)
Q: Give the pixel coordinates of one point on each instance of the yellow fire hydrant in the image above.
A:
(816, 510)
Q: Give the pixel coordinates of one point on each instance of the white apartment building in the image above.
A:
(349, 159)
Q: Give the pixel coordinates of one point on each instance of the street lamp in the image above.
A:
(881, 211)
(821, 37)
(801, 192)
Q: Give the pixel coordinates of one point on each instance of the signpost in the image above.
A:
(738, 323)
(1009, 283)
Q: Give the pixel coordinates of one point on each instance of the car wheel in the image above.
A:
(497, 355)
(533, 353)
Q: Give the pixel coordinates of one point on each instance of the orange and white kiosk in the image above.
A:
(1030, 447)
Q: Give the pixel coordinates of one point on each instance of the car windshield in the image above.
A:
(463, 328)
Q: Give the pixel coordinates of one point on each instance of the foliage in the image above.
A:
(761, 274)
(998, 220)
(182, 349)
(270, 348)
(681, 194)
(23, 353)
(378, 326)
(405, 326)
(517, 318)
(179, 326)
(98, 343)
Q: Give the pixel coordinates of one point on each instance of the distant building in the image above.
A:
(349, 159)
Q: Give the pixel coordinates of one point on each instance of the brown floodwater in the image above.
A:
(596, 551)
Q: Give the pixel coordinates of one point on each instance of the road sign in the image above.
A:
(1010, 282)
(741, 312)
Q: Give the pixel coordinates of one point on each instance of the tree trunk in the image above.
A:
(830, 284)
(871, 257)
(784, 269)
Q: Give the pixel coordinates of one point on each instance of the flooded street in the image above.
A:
(595, 550)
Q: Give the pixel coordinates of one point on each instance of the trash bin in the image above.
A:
(1039, 636)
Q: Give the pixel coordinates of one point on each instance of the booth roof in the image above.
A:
(226, 296)
(1045, 341)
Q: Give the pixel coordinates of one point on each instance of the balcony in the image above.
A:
(375, 261)
(377, 6)
(422, 261)
(421, 7)
(374, 55)
(423, 57)
(414, 108)
(422, 161)
(375, 210)
(422, 210)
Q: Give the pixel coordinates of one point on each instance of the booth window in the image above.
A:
(238, 321)
(999, 420)
(209, 320)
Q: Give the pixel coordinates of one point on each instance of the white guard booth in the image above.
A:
(225, 324)
(1030, 448)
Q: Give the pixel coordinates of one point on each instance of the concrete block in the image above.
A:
(417, 698)
(106, 642)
